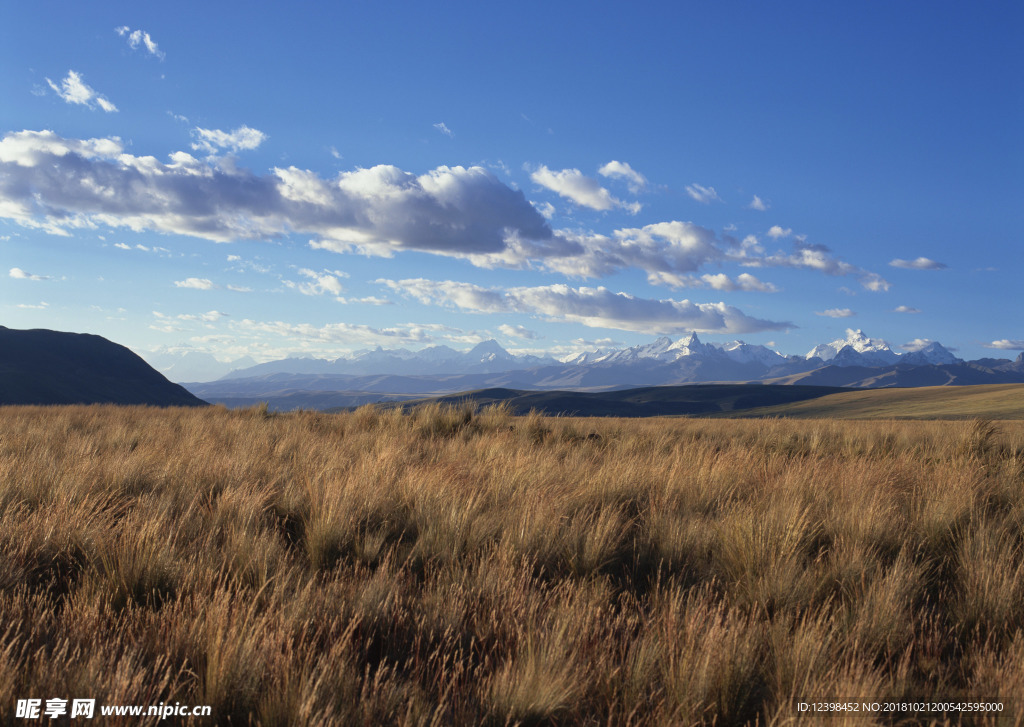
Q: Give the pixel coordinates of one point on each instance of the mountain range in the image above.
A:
(854, 361)
(51, 367)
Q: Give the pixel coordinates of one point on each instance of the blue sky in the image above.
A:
(315, 180)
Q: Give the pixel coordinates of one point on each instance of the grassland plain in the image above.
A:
(992, 401)
(457, 567)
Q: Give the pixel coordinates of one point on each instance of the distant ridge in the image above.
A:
(650, 401)
(52, 367)
(855, 361)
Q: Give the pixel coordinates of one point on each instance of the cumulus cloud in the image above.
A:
(581, 189)
(241, 139)
(546, 209)
(195, 283)
(836, 313)
(320, 283)
(348, 334)
(905, 309)
(367, 300)
(20, 274)
(663, 247)
(140, 39)
(921, 263)
(54, 183)
(518, 332)
(719, 281)
(593, 307)
(621, 170)
(704, 195)
(43, 305)
(76, 91)
(776, 232)
(917, 344)
(443, 128)
(815, 257)
(874, 282)
(58, 185)
(1006, 344)
(758, 204)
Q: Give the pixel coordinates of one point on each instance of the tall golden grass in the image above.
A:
(451, 566)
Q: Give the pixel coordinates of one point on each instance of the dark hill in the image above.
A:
(691, 400)
(50, 367)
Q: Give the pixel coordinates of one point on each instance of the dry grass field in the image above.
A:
(451, 567)
(991, 401)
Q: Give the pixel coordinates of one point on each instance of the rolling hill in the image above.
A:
(998, 401)
(693, 400)
(52, 367)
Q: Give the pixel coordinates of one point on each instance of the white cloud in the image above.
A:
(719, 281)
(75, 91)
(637, 182)
(836, 313)
(663, 247)
(874, 282)
(814, 257)
(758, 204)
(195, 283)
(581, 189)
(546, 209)
(122, 246)
(593, 307)
(54, 183)
(777, 232)
(137, 38)
(367, 300)
(208, 317)
(921, 263)
(443, 128)
(916, 345)
(1007, 344)
(704, 195)
(518, 332)
(58, 185)
(348, 335)
(20, 274)
(29, 306)
(322, 283)
(241, 139)
(905, 309)
(239, 288)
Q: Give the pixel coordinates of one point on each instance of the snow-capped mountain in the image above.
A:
(485, 357)
(665, 350)
(664, 360)
(659, 350)
(741, 352)
(855, 350)
(855, 361)
(934, 353)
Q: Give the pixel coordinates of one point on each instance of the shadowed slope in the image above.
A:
(692, 400)
(51, 367)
